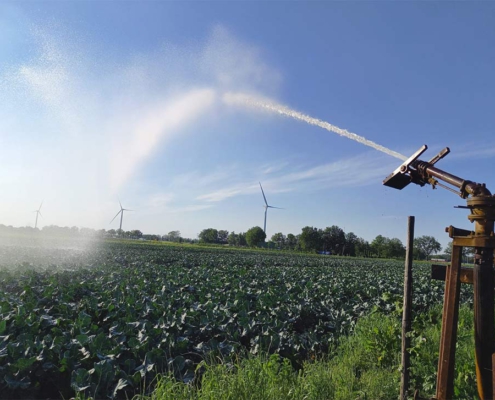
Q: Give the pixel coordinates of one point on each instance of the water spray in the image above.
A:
(243, 99)
(481, 204)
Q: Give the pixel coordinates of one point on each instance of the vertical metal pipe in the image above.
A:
(406, 312)
(446, 360)
(484, 332)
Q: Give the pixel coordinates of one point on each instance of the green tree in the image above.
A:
(309, 239)
(209, 235)
(350, 244)
(426, 245)
(136, 234)
(291, 241)
(379, 245)
(394, 248)
(174, 236)
(279, 239)
(242, 239)
(151, 237)
(233, 239)
(222, 236)
(333, 239)
(363, 248)
(255, 236)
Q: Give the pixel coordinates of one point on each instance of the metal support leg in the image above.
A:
(484, 332)
(446, 361)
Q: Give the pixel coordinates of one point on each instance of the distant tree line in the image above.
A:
(214, 236)
(424, 246)
(75, 232)
(54, 230)
(331, 240)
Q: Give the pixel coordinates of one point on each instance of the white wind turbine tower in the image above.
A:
(38, 213)
(266, 207)
(121, 212)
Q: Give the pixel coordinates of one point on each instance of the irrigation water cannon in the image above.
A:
(421, 173)
(481, 204)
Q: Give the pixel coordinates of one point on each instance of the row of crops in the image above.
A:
(103, 322)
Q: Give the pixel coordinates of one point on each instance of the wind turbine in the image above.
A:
(121, 212)
(266, 207)
(38, 212)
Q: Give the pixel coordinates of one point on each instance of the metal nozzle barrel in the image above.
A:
(422, 172)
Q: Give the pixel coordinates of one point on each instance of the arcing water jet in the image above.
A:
(246, 100)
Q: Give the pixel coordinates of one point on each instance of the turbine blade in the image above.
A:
(115, 216)
(263, 193)
(41, 205)
(278, 208)
(39, 212)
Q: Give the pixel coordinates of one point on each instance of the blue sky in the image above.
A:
(108, 100)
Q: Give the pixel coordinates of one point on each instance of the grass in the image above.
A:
(364, 366)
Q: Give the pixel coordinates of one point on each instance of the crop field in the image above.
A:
(104, 321)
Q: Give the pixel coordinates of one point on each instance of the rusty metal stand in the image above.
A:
(481, 204)
(446, 360)
(482, 278)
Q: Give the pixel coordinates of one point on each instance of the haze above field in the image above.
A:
(108, 100)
